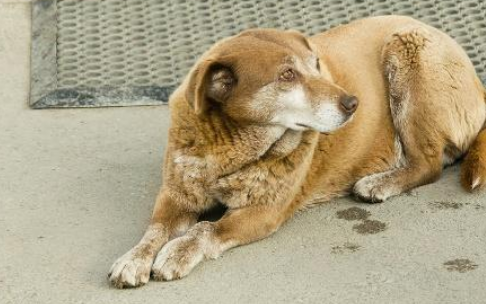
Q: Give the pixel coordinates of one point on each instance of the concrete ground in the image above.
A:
(77, 188)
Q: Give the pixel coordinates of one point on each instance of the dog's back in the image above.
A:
(420, 98)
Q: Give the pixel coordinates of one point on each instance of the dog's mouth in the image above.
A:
(298, 126)
(303, 126)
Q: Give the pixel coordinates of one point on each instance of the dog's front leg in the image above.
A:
(210, 239)
(168, 220)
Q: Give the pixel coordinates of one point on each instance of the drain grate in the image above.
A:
(88, 53)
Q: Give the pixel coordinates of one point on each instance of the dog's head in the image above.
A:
(269, 77)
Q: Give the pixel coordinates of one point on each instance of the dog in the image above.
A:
(269, 122)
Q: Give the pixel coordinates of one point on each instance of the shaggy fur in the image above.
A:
(269, 122)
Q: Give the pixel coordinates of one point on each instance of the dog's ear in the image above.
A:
(211, 81)
(300, 37)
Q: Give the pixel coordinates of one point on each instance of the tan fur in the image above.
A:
(473, 175)
(246, 129)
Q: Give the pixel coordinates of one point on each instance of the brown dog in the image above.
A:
(268, 123)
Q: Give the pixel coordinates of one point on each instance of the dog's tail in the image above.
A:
(473, 169)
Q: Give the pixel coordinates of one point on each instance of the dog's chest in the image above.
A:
(247, 186)
(274, 177)
(256, 183)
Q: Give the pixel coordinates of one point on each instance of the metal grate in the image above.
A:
(133, 52)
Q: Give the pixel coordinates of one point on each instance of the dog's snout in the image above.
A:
(349, 104)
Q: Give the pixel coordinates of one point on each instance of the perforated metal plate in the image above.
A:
(135, 52)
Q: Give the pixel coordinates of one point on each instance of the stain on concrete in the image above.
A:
(478, 207)
(346, 247)
(353, 214)
(369, 227)
(460, 265)
(445, 205)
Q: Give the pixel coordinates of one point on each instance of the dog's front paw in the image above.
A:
(177, 258)
(375, 188)
(130, 270)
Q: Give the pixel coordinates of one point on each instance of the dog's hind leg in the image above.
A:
(416, 102)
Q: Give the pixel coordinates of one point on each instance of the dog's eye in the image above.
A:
(287, 75)
(318, 65)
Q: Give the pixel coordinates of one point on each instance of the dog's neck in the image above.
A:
(227, 145)
(258, 140)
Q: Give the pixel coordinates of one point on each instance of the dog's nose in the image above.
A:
(349, 104)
